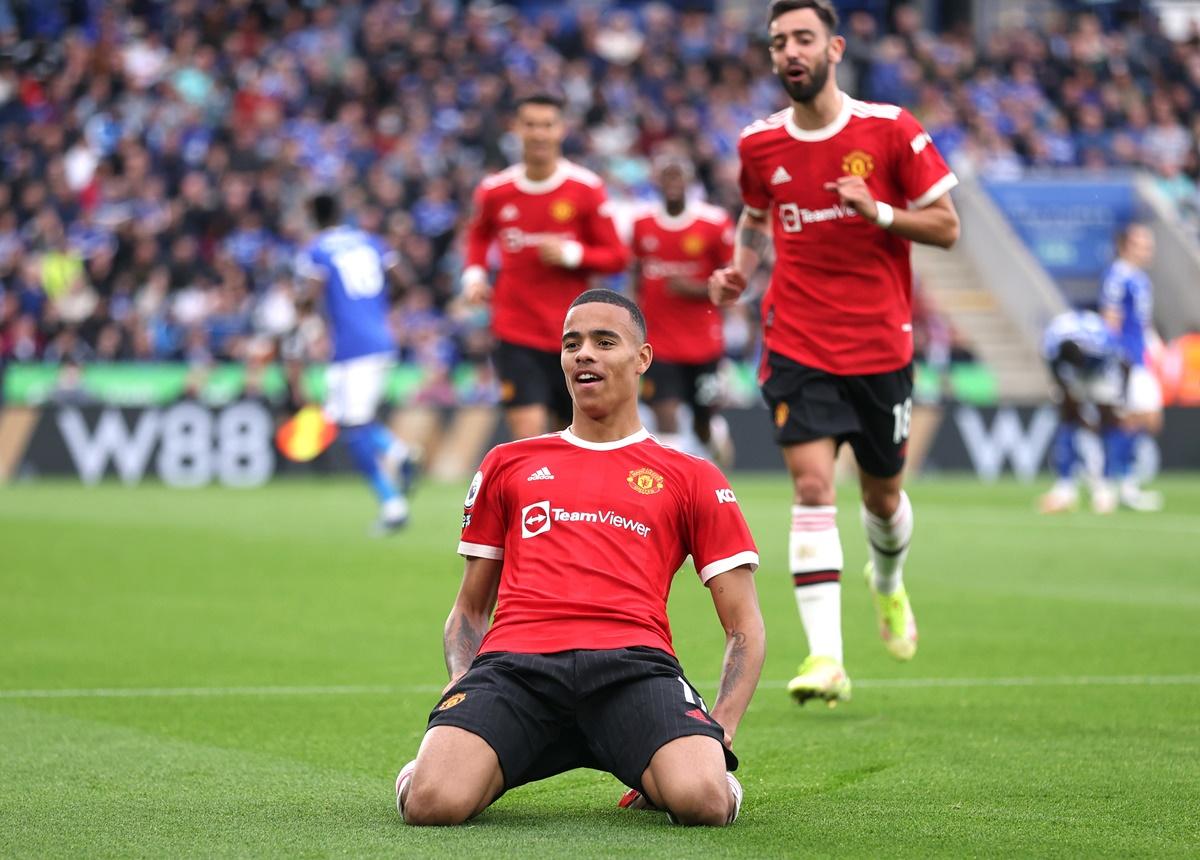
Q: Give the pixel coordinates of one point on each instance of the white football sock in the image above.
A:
(815, 555)
(888, 542)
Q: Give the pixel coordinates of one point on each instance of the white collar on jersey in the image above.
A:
(541, 186)
(571, 438)
(674, 222)
(816, 134)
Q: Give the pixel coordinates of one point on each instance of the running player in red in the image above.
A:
(550, 221)
(843, 187)
(573, 538)
(677, 244)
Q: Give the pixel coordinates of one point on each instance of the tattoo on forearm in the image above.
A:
(735, 665)
(461, 643)
(754, 240)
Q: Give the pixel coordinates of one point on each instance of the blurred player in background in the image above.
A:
(1127, 305)
(550, 220)
(676, 246)
(833, 179)
(350, 269)
(574, 538)
(1085, 359)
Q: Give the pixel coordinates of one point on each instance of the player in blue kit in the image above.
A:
(1127, 305)
(1085, 358)
(351, 268)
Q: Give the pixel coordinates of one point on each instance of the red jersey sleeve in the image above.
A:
(754, 191)
(718, 537)
(484, 514)
(479, 230)
(920, 169)
(603, 250)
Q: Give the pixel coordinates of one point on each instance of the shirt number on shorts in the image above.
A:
(690, 696)
(902, 412)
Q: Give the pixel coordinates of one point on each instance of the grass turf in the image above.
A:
(1089, 749)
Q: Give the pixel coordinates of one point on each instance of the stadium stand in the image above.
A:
(155, 157)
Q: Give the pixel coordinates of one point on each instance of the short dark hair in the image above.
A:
(609, 297)
(824, 9)
(541, 98)
(324, 208)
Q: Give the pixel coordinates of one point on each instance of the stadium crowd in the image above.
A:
(155, 158)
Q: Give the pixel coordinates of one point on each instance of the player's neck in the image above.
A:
(674, 207)
(540, 171)
(609, 428)
(820, 112)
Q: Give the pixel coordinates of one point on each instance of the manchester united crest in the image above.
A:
(858, 163)
(450, 702)
(781, 414)
(562, 211)
(693, 245)
(645, 481)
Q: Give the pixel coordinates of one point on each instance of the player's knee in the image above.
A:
(814, 490)
(436, 803)
(707, 802)
(881, 501)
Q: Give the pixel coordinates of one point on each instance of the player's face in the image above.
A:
(802, 52)
(1139, 247)
(603, 358)
(541, 130)
(673, 184)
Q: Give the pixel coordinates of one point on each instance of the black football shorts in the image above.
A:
(530, 376)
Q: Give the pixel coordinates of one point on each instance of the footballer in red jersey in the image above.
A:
(549, 222)
(677, 244)
(573, 539)
(843, 188)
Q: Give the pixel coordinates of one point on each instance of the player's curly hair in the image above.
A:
(824, 9)
(609, 297)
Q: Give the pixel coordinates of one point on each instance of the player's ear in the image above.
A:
(645, 357)
(837, 47)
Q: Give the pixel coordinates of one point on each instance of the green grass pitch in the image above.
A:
(241, 673)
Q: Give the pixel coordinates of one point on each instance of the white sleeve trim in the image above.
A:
(572, 254)
(715, 568)
(480, 550)
(755, 211)
(936, 190)
(472, 274)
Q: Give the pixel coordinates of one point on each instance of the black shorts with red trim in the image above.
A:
(697, 385)
(870, 411)
(531, 376)
(609, 710)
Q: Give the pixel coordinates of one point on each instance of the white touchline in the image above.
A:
(433, 689)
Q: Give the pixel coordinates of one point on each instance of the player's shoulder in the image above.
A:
(580, 174)
(765, 129)
(880, 111)
(710, 214)
(688, 465)
(501, 178)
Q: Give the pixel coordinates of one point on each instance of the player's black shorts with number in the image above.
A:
(870, 411)
(609, 710)
(694, 384)
(530, 376)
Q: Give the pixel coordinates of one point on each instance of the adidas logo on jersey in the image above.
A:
(780, 176)
(542, 474)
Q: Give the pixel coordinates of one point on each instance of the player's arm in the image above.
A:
(736, 602)
(935, 224)
(601, 250)
(471, 614)
(475, 288)
(751, 247)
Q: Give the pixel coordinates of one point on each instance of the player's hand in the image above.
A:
(476, 291)
(550, 251)
(852, 191)
(727, 740)
(725, 286)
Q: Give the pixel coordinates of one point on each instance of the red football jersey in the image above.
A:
(683, 329)
(592, 534)
(841, 293)
(530, 299)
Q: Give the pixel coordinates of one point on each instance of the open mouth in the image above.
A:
(587, 378)
(797, 74)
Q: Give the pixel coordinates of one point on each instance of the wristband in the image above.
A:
(884, 214)
(572, 254)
